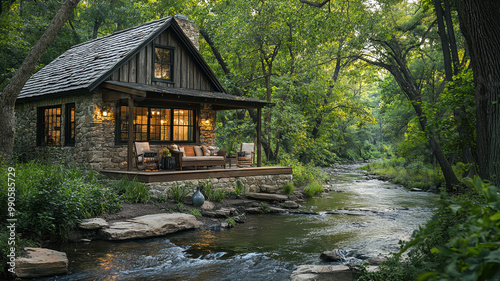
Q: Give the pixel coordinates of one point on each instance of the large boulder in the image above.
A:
(92, 224)
(267, 196)
(40, 262)
(334, 255)
(150, 226)
(322, 272)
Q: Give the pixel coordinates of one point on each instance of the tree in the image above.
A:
(10, 93)
(480, 25)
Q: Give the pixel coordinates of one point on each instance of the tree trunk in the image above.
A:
(444, 40)
(11, 91)
(480, 25)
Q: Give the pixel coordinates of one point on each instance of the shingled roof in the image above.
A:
(85, 66)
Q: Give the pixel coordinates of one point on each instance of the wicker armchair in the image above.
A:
(145, 159)
(246, 155)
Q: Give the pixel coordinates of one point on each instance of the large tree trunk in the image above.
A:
(480, 25)
(11, 91)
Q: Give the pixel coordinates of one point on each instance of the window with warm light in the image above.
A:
(70, 127)
(49, 126)
(158, 124)
(163, 63)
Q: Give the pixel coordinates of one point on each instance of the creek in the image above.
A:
(365, 217)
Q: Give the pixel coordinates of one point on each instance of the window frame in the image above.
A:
(41, 125)
(195, 132)
(172, 63)
(68, 139)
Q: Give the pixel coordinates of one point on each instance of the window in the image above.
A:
(69, 130)
(158, 124)
(163, 64)
(49, 126)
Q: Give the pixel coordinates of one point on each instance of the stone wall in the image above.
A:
(265, 183)
(95, 145)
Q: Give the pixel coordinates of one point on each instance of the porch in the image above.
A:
(185, 175)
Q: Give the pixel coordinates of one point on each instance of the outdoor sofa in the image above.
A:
(197, 156)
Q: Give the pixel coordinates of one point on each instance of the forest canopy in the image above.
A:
(350, 80)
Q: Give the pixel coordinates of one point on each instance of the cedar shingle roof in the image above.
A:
(85, 66)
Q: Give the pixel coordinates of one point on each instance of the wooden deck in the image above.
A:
(165, 176)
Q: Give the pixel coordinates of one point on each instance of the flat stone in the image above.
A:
(221, 213)
(39, 262)
(290, 205)
(267, 196)
(416, 189)
(150, 226)
(207, 205)
(277, 210)
(94, 223)
(322, 272)
(333, 255)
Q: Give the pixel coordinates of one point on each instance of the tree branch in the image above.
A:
(314, 4)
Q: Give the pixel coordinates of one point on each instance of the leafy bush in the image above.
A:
(132, 191)
(288, 188)
(178, 192)
(460, 242)
(303, 173)
(51, 199)
(312, 189)
(211, 194)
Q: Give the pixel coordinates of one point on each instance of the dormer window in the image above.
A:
(163, 64)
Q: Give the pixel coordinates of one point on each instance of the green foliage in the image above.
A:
(415, 174)
(195, 212)
(302, 173)
(264, 207)
(230, 222)
(178, 192)
(180, 207)
(132, 191)
(313, 189)
(288, 188)
(51, 199)
(239, 189)
(211, 194)
(460, 242)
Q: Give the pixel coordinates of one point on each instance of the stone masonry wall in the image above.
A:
(266, 183)
(95, 134)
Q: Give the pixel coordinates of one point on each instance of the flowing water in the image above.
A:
(366, 217)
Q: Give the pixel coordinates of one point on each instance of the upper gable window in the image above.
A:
(163, 64)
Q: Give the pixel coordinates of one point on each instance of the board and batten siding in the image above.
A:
(186, 73)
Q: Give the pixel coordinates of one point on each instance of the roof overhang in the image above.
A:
(218, 100)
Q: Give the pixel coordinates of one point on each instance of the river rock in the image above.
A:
(322, 272)
(416, 189)
(334, 255)
(277, 210)
(207, 205)
(290, 205)
(376, 260)
(221, 213)
(92, 224)
(150, 226)
(40, 262)
(267, 196)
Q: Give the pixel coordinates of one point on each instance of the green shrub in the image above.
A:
(51, 199)
(264, 207)
(312, 189)
(211, 194)
(304, 173)
(288, 188)
(178, 192)
(132, 191)
(218, 195)
(230, 222)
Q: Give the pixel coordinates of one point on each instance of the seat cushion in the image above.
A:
(202, 158)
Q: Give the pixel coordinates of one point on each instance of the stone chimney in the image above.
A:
(189, 28)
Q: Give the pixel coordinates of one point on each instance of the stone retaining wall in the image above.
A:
(266, 183)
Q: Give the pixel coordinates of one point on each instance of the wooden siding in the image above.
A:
(186, 73)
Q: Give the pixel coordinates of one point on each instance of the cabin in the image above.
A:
(150, 80)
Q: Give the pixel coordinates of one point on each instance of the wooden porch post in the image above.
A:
(259, 137)
(130, 142)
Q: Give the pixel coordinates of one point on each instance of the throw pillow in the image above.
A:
(198, 151)
(213, 150)
(206, 151)
(189, 151)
